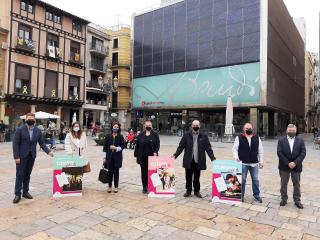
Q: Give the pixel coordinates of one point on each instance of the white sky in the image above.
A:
(109, 12)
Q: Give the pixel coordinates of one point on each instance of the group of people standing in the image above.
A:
(247, 149)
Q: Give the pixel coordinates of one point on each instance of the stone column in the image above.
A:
(81, 116)
(2, 110)
(59, 108)
(102, 120)
(265, 123)
(33, 108)
(275, 123)
(254, 118)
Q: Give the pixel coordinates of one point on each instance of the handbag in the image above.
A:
(104, 175)
(87, 168)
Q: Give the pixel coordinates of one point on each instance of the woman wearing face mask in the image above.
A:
(76, 142)
(148, 144)
(113, 146)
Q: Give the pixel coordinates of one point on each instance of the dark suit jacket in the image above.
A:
(285, 156)
(204, 146)
(117, 156)
(22, 145)
(139, 152)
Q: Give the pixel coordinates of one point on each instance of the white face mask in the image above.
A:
(76, 129)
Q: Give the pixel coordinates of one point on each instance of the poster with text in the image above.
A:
(226, 181)
(67, 176)
(161, 177)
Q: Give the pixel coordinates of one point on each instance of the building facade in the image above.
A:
(120, 64)
(98, 76)
(45, 68)
(189, 56)
(311, 90)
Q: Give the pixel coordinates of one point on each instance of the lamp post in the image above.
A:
(109, 88)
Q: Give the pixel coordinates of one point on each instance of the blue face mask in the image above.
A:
(115, 130)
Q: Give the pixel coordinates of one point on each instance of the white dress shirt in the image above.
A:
(235, 151)
(291, 142)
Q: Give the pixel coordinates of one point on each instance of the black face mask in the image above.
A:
(196, 129)
(291, 134)
(30, 122)
(148, 128)
(249, 131)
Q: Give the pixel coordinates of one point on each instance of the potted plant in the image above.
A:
(100, 139)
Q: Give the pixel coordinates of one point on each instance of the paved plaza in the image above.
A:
(131, 215)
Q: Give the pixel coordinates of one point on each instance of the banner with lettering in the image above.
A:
(161, 177)
(67, 176)
(226, 181)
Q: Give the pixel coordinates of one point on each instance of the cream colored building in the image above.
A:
(45, 60)
(120, 62)
(311, 90)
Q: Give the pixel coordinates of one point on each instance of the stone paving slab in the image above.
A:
(131, 215)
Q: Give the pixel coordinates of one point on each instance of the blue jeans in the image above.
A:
(254, 173)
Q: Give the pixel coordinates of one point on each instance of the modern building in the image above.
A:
(45, 68)
(311, 90)
(120, 64)
(189, 56)
(98, 76)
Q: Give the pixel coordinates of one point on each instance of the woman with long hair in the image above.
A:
(113, 146)
(76, 142)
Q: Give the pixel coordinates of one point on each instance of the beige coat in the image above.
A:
(72, 146)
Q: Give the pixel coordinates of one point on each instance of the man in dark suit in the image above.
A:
(24, 152)
(195, 146)
(291, 152)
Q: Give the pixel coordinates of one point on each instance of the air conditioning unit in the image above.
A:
(4, 45)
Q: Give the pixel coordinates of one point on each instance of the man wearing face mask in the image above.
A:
(291, 152)
(24, 152)
(148, 144)
(248, 149)
(195, 145)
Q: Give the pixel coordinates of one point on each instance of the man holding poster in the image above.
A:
(248, 149)
(195, 146)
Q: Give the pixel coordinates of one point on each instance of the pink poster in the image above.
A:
(226, 181)
(67, 176)
(161, 177)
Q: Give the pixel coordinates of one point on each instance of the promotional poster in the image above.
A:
(161, 177)
(226, 181)
(67, 176)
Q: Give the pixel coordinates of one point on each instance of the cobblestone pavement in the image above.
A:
(131, 215)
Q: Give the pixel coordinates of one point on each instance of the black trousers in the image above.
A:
(295, 177)
(193, 173)
(23, 172)
(114, 174)
(144, 172)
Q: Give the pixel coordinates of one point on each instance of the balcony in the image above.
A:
(54, 53)
(75, 59)
(97, 68)
(99, 50)
(96, 102)
(26, 45)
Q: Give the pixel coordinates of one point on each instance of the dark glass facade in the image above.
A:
(196, 34)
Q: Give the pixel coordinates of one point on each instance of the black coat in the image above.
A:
(117, 156)
(139, 152)
(285, 156)
(204, 146)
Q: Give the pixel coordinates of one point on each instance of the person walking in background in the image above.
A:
(113, 147)
(291, 152)
(76, 143)
(148, 144)
(130, 139)
(195, 145)
(2, 131)
(25, 152)
(248, 149)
